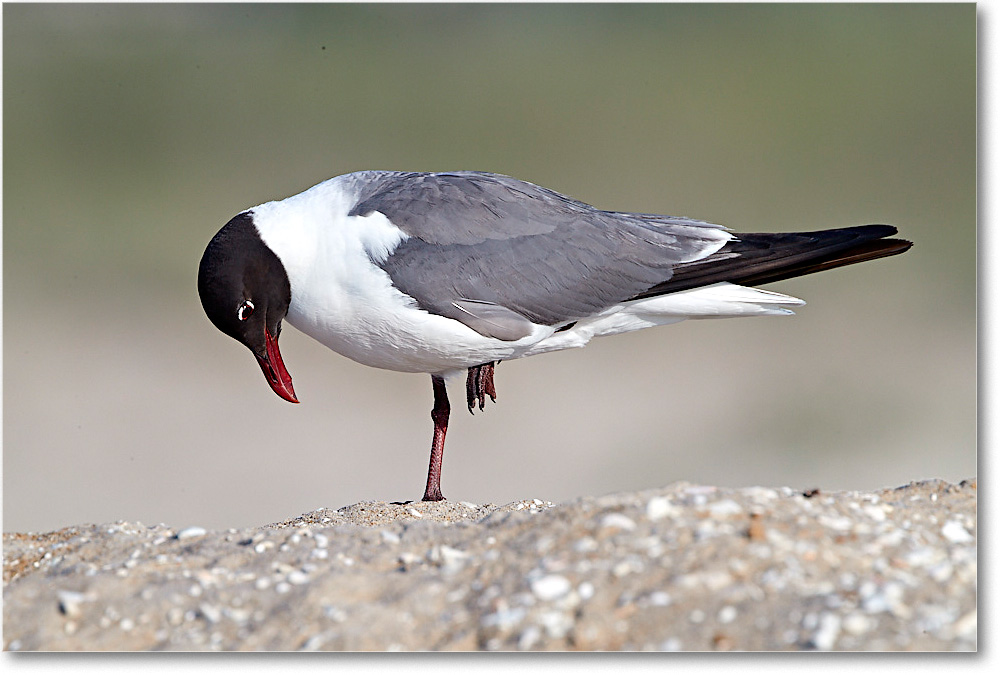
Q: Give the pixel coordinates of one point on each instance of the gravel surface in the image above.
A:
(687, 567)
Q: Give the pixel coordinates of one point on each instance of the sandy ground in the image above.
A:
(687, 567)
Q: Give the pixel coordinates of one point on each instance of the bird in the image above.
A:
(448, 273)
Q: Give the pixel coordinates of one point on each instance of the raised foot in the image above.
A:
(479, 385)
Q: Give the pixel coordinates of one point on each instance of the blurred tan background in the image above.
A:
(133, 133)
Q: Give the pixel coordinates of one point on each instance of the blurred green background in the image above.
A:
(133, 133)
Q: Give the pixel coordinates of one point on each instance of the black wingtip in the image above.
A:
(876, 230)
(872, 246)
(752, 259)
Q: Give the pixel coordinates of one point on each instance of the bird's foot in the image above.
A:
(479, 385)
(432, 495)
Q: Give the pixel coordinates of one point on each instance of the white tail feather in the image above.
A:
(716, 301)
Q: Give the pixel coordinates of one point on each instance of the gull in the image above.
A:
(451, 272)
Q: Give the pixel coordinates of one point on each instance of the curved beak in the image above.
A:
(275, 371)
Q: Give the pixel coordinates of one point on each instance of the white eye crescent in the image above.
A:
(245, 310)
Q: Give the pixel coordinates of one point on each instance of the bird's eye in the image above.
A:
(245, 310)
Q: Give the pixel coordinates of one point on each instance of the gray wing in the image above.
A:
(497, 253)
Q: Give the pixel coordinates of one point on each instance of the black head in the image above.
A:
(245, 292)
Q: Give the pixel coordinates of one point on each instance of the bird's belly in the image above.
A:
(406, 339)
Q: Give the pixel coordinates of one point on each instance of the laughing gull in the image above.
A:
(441, 273)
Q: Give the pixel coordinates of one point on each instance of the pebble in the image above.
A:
(557, 624)
(941, 572)
(887, 598)
(210, 612)
(838, 523)
(954, 532)
(237, 615)
(313, 643)
(659, 508)
(550, 587)
(448, 554)
(618, 521)
(857, 624)
(829, 629)
(175, 616)
(193, 531)
(876, 513)
(626, 567)
(724, 507)
(761, 494)
(70, 601)
(449, 559)
(408, 559)
(297, 577)
(922, 556)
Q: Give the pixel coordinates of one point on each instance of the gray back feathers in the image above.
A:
(493, 251)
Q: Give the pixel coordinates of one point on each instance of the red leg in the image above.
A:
(439, 414)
